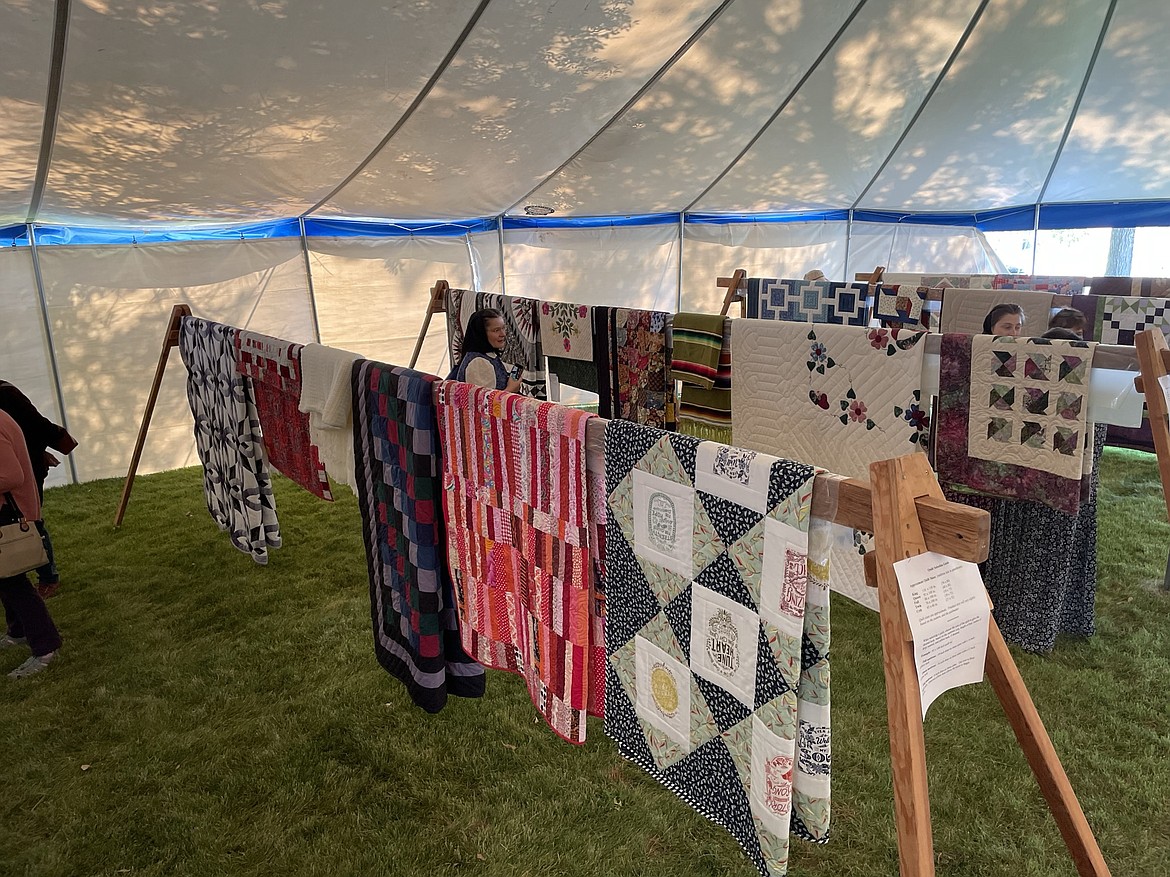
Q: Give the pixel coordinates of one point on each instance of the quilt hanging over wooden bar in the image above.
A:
(228, 438)
(412, 603)
(718, 633)
(522, 542)
(274, 365)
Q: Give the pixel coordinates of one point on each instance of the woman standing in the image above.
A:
(481, 364)
(28, 620)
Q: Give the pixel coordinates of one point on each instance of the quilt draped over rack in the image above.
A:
(963, 310)
(808, 301)
(696, 343)
(412, 602)
(706, 413)
(1119, 318)
(228, 438)
(902, 305)
(1012, 417)
(522, 544)
(1158, 287)
(635, 366)
(838, 397)
(521, 320)
(327, 397)
(274, 365)
(718, 634)
(566, 336)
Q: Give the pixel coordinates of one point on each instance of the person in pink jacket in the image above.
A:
(29, 622)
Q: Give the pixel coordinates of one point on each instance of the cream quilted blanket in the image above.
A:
(837, 397)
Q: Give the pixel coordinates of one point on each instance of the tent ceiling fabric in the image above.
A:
(202, 111)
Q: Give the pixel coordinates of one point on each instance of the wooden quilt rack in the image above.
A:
(903, 506)
(736, 286)
(170, 340)
(437, 305)
(1153, 356)
(908, 515)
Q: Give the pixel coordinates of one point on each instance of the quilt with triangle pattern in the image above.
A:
(717, 633)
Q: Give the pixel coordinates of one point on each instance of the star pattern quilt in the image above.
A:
(718, 634)
(808, 301)
(902, 305)
(1120, 318)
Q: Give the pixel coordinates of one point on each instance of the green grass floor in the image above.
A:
(210, 716)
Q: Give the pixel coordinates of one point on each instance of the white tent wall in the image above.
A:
(371, 294)
(907, 247)
(763, 249)
(25, 358)
(626, 266)
(108, 307)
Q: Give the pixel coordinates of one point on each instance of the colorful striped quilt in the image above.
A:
(523, 544)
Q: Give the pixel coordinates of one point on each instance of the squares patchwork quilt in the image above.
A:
(399, 478)
(717, 633)
(1012, 417)
(1121, 317)
(808, 301)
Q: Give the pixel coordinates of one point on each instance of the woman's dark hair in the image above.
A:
(1068, 318)
(475, 339)
(1059, 333)
(994, 315)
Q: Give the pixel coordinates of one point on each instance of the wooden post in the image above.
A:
(1153, 356)
(895, 485)
(435, 306)
(735, 285)
(900, 490)
(170, 339)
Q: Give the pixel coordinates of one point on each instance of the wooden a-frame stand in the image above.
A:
(910, 516)
(436, 305)
(1153, 356)
(170, 339)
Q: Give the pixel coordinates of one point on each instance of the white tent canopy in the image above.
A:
(776, 136)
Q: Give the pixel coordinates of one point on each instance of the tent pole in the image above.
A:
(36, 264)
(503, 271)
(309, 280)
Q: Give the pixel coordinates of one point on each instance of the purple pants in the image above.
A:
(25, 612)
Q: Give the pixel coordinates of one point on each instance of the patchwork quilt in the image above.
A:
(808, 301)
(522, 544)
(718, 634)
(1042, 282)
(1012, 417)
(946, 281)
(963, 310)
(837, 397)
(412, 603)
(902, 305)
(1156, 287)
(275, 369)
(236, 481)
(1120, 318)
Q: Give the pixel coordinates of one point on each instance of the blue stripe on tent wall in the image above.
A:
(1109, 214)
